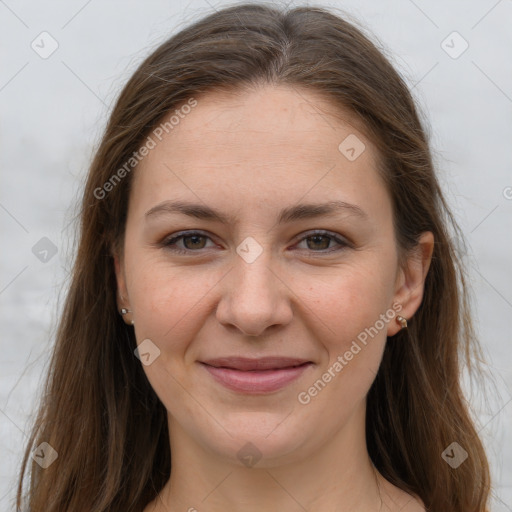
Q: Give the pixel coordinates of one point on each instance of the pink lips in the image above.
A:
(255, 376)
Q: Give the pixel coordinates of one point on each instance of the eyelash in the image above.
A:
(170, 243)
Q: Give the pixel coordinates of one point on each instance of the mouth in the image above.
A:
(256, 376)
(262, 363)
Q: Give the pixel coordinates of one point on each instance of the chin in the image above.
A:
(257, 439)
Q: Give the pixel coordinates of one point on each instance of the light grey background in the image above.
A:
(53, 111)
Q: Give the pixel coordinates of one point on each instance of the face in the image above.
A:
(261, 318)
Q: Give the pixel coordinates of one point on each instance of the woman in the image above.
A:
(266, 310)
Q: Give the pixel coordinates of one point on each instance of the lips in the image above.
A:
(256, 376)
(263, 363)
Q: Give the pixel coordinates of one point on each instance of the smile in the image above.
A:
(256, 376)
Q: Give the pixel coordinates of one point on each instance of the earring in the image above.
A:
(402, 321)
(124, 311)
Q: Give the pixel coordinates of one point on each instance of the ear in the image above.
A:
(122, 294)
(410, 282)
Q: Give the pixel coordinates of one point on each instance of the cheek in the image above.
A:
(349, 301)
(170, 304)
(170, 311)
(347, 322)
(350, 312)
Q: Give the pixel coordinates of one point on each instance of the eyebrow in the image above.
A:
(289, 214)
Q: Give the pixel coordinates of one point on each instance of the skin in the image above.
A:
(250, 154)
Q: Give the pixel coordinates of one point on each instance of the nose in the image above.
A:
(254, 297)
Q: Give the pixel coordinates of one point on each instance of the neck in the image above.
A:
(336, 476)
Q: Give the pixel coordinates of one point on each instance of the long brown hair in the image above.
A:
(99, 411)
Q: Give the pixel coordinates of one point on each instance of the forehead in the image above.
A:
(282, 140)
(270, 115)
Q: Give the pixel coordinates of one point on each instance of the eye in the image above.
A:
(321, 240)
(194, 241)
